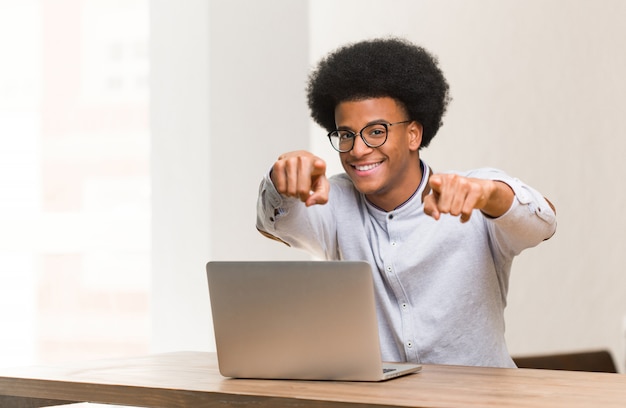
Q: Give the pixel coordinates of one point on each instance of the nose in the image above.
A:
(359, 148)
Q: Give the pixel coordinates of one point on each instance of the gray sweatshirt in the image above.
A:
(440, 286)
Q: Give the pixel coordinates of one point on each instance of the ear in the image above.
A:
(415, 130)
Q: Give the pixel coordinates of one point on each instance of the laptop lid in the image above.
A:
(313, 320)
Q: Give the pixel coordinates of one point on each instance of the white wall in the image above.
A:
(259, 61)
(227, 99)
(538, 90)
(179, 121)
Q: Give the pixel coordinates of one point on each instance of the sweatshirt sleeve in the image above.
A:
(269, 207)
(529, 221)
(289, 221)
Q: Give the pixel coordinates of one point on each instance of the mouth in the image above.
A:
(366, 167)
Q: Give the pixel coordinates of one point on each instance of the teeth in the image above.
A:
(367, 167)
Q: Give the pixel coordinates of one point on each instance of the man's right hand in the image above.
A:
(302, 175)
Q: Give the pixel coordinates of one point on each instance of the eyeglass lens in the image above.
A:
(373, 135)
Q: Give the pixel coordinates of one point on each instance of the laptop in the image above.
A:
(301, 320)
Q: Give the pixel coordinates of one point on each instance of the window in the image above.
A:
(74, 180)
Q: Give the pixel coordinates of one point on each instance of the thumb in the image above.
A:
(435, 181)
(319, 167)
(319, 194)
(319, 184)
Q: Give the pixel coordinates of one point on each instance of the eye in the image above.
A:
(375, 131)
(345, 135)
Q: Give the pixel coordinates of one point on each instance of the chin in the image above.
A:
(365, 189)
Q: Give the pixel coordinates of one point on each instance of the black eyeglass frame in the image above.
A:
(334, 133)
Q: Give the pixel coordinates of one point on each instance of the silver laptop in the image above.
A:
(307, 320)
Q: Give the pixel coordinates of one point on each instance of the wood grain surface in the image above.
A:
(191, 379)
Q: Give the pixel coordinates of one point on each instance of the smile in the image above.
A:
(366, 167)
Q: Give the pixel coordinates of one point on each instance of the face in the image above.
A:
(389, 174)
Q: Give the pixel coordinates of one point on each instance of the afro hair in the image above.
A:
(377, 68)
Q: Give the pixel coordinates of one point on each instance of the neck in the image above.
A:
(396, 198)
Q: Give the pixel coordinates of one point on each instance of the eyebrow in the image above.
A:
(373, 122)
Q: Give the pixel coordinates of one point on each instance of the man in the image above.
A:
(441, 245)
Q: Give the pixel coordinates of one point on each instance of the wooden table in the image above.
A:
(191, 379)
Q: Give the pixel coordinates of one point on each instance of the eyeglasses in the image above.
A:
(374, 135)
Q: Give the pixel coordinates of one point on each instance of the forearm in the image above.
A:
(499, 200)
(529, 220)
(286, 219)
